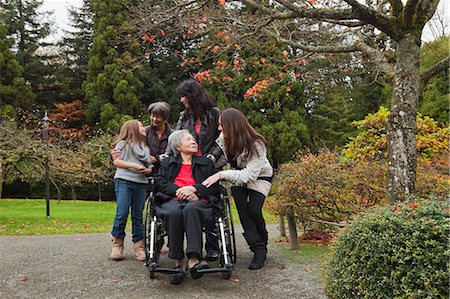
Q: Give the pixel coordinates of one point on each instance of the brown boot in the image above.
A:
(117, 248)
(138, 248)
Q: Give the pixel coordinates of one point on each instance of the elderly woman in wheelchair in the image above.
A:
(184, 204)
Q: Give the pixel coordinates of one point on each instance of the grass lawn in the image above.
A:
(27, 217)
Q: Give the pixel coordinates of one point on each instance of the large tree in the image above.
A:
(29, 27)
(114, 83)
(14, 90)
(74, 49)
(389, 32)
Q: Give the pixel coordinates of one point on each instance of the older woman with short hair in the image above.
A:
(185, 204)
(158, 132)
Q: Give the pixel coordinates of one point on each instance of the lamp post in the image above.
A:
(46, 121)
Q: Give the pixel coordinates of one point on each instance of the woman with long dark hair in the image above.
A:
(200, 117)
(251, 176)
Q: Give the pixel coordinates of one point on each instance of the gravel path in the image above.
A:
(77, 266)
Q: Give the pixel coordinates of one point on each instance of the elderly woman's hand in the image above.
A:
(211, 180)
(187, 192)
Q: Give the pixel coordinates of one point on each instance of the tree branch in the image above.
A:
(410, 9)
(397, 7)
(347, 23)
(374, 18)
(435, 69)
(315, 49)
(303, 12)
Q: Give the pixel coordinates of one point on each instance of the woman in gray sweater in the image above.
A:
(251, 176)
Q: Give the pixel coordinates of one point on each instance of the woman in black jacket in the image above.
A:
(200, 117)
(185, 204)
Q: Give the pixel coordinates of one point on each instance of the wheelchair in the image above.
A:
(155, 233)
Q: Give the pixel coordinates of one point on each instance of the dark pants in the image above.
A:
(249, 205)
(181, 217)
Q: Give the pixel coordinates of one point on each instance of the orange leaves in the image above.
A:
(413, 205)
(203, 76)
(222, 2)
(255, 90)
(148, 37)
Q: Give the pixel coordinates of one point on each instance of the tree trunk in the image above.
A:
(73, 193)
(401, 125)
(293, 240)
(1, 178)
(281, 226)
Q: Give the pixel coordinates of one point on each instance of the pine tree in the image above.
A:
(14, 90)
(74, 49)
(114, 81)
(29, 28)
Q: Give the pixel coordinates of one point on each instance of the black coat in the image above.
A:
(209, 131)
(202, 168)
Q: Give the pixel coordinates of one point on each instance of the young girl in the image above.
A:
(251, 176)
(130, 187)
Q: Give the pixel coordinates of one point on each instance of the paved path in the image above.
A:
(77, 266)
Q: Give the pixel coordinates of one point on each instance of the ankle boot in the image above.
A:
(117, 248)
(138, 248)
(259, 258)
(258, 247)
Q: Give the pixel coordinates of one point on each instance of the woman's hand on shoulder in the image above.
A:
(211, 180)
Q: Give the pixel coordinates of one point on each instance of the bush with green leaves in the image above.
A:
(399, 251)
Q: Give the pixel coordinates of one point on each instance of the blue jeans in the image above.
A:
(129, 195)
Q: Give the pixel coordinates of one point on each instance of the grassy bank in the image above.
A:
(27, 217)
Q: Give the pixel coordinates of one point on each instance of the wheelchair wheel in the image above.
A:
(147, 217)
(230, 231)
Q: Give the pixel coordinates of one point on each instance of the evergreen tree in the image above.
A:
(29, 28)
(14, 90)
(114, 84)
(75, 47)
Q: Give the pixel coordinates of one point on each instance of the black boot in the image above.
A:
(258, 247)
(259, 258)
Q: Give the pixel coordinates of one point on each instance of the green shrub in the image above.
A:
(393, 252)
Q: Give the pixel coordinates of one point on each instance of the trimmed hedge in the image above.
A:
(393, 252)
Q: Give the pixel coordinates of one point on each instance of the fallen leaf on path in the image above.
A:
(115, 280)
(24, 278)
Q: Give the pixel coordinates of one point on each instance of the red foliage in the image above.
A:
(316, 236)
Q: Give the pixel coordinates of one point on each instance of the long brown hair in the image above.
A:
(129, 132)
(239, 135)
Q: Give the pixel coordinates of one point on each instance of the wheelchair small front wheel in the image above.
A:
(226, 274)
(152, 274)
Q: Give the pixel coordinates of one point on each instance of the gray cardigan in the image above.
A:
(139, 155)
(253, 168)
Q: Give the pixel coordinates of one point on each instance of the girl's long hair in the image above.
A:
(240, 137)
(129, 132)
(198, 99)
